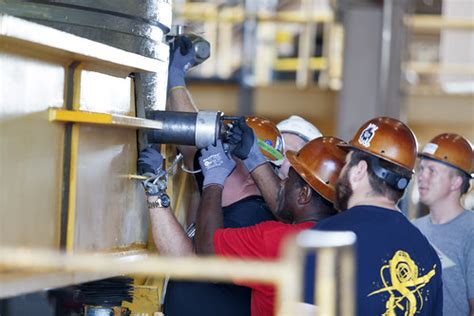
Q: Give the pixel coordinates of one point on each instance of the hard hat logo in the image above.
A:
(430, 148)
(266, 147)
(367, 135)
(451, 149)
(268, 138)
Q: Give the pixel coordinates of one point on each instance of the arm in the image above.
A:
(209, 219)
(179, 98)
(216, 166)
(470, 271)
(168, 235)
(247, 149)
(268, 183)
(193, 203)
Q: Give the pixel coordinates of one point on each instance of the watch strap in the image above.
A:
(162, 202)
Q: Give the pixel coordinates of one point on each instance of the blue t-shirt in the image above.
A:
(215, 299)
(398, 272)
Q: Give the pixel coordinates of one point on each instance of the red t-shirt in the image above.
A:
(261, 241)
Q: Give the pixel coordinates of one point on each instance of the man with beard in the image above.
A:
(446, 163)
(397, 270)
(304, 198)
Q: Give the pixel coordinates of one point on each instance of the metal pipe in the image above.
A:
(199, 129)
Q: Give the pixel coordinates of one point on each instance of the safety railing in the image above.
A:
(425, 75)
(306, 21)
(286, 273)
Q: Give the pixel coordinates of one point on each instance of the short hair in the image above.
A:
(465, 179)
(324, 207)
(378, 185)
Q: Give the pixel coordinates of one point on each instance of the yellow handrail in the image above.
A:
(285, 273)
(437, 22)
(77, 116)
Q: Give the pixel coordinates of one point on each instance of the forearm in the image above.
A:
(268, 183)
(193, 204)
(168, 235)
(209, 219)
(471, 305)
(179, 99)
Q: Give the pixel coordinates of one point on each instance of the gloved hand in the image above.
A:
(150, 164)
(181, 60)
(150, 161)
(245, 145)
(216, 165)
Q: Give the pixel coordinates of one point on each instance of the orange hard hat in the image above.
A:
(388, 139)
(452, 149)
(319, 163)
(268, 138)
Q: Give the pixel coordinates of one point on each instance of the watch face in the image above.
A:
(165, 200)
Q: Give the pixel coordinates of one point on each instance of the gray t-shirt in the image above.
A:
(454, 243)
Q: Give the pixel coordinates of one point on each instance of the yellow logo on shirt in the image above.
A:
(403, 284)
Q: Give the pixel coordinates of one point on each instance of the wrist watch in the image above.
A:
(162, 201)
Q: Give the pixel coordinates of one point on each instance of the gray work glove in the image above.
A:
(150, 164)
(245, 144)
(150, 161)
(181, 60)
(216, 165)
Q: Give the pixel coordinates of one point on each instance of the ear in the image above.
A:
(456, 182)
(358, 173)
(304, 196)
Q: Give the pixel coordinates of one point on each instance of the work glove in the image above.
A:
(150, 164)
(150, 161)
(216, 165)
(181, 60)
(245, 145)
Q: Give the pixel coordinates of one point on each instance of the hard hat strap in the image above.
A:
(393, 179)
(269, 149)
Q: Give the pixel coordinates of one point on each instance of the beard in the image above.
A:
(343, 192)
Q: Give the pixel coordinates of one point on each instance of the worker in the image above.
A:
(239, 186)
(242, 205)
(304, 198)
(296, 132)
(397, 270)
(446, 164)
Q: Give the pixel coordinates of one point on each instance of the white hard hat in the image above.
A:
(299, 126)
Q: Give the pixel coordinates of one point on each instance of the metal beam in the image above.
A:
(59, 115)
(373, 46)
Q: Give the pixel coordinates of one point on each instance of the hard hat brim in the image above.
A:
(316, 183)
(433, 157)
(349, 147)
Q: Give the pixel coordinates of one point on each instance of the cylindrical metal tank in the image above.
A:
(66, 185)
(135, 26)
